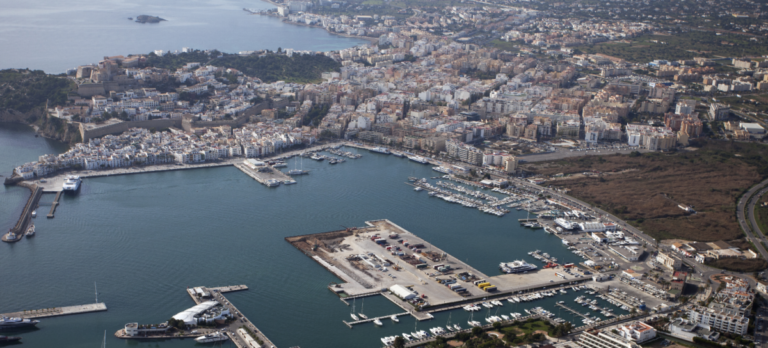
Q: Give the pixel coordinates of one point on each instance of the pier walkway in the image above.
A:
(58, 311)
(574, 312)
(54, 204)
(370, 320)
(21, 225)
(263, 176)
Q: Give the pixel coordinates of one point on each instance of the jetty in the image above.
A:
(58, 311)
(21, 225)
(264, 175)
(574, 312)
(369, 320)
(54, 204)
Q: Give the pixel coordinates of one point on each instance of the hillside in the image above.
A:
(302, 68)
(646, 189)
(21, 91)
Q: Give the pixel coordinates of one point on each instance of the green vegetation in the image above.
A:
(301, 68)
(24, 90)
(315, 115)
(749, 103)
(642, 49)
(505, 45)
(530, 331)
(761, 215)
(252, 334)
(175, 61)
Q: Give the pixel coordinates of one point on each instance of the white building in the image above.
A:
(637, 331)
(724, 321)
(602, 339)
(402, 292)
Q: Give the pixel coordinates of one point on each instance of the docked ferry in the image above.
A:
(16, 323)
(380, 149)
(72, 183)
(418, 159)
(214, 337)
(517, 266)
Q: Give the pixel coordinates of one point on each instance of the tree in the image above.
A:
(477, 331)
(497, 325)
(399, 342)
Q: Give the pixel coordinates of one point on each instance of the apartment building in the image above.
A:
(603, 339)
(721, 319)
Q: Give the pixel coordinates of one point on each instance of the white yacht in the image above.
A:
(289, 182)
(380, 149)
(30, 231)
(517, 266)
(214, 337)
(378, 322)
(72, 183)
(394, 318)
(417, 189)
(418, 159)
(273, 183)
(354, 316)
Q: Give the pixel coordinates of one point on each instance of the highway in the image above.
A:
(745, 209)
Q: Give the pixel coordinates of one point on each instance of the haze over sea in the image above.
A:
(55, 36)
(145, 238)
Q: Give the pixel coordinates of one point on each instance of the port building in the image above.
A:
(402, 292)
(205, 312)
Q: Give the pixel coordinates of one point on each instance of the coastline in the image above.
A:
(372, 40)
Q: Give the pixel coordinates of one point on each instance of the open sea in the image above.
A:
(54, 36)
(145, 238)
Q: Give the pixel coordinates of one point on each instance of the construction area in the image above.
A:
(383, 255)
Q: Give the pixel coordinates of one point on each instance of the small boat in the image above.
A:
(457, 327)
(34, 213)
(406, 336)
(418, 189)
(394, 318)
(362, 315)
(289, 182)
(30, 231)
(354, 316)
(412, 179)
(378, 322)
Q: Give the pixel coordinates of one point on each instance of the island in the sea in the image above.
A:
(148, 19)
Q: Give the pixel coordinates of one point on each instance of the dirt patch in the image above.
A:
(647, 189)
(738, 265)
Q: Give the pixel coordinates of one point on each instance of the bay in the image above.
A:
(145, 238)
(55, 35)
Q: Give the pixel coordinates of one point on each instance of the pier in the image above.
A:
(54, 204)
(58, 311)
(240, 319)
(370, 320)
(263, 175)
(21, 225)
(574, 312)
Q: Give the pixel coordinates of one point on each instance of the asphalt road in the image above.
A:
(745, 207)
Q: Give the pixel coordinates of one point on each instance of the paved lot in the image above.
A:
(566, 153)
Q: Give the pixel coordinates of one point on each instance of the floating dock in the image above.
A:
(58, 311)
(370, 320)
(54, 204)
(573, 311)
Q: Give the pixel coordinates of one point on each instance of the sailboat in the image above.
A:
(297, 171)
(104, 341)
(448, 325)
(361, 310)
(353, 315)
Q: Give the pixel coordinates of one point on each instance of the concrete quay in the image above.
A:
(23, 222)
(240, 319)
(264, 176)
(54, 204)
(58, 311)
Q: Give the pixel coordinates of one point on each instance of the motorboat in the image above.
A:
(418, 189)
(378, 322)
(289, 182)
(30, 231)
(394, 318)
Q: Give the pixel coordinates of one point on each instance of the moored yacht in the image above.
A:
(214, 337)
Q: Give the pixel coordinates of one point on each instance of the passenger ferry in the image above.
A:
(418, 159)
(72, 183)
(214, 337)
(379, 149)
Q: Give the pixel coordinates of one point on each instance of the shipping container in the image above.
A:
(490, 288)
(459, 289)
(381, 241)
(481, 285)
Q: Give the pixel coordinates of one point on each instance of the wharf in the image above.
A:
(573, 311)
(420, 316)
(369, 320)
(23, 222)
(58, 311)
(218, 295)
(263, 176)
(54, 204)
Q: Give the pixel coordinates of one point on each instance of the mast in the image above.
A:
(96, 290)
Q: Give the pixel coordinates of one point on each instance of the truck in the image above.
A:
(481, 285)
(478, 282)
